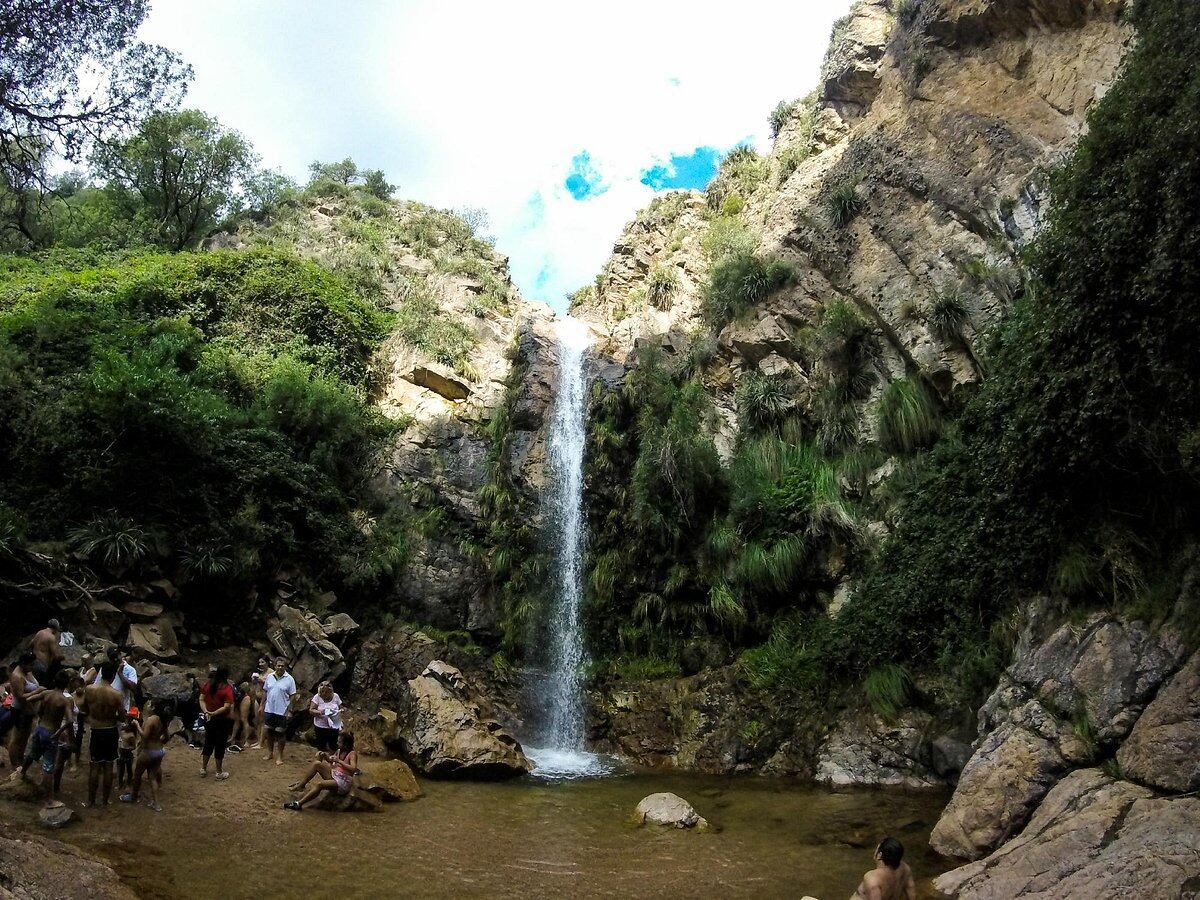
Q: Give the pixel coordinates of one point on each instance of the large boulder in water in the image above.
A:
(668, 809)
(391, 780)
(443, 733)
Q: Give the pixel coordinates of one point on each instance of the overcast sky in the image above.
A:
(560, 119)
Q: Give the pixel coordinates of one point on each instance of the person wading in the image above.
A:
(279, 687)
(216, 701)
(105, 706)
(891, 879)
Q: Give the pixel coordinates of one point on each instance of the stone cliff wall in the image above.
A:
(941, 123)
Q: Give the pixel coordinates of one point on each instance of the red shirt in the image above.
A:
(214, 700)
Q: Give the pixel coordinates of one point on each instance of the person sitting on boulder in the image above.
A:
(337, 773)
(891, 879)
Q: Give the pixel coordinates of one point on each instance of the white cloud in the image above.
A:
(479, 103)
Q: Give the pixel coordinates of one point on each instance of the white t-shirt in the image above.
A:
(125, 678)
(279, 694)
(329, 712)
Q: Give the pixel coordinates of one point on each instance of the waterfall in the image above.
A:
(563, 499)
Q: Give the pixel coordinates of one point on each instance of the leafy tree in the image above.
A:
(183, 169)
(377, 184)
(344, 172)
(72, 71)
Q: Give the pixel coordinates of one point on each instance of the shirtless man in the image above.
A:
(104, 706)
(151, 750)
(47, 653)
(891, 879)
(52, 738)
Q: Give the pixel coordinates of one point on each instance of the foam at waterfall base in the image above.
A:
(555, 764)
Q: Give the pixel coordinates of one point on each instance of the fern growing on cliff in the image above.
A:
(843, 202)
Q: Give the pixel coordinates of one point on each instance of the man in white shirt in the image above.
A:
(125, 680)
(278, 689)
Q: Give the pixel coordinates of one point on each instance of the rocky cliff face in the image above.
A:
(465, 343)
(903, 189)
(914, 172)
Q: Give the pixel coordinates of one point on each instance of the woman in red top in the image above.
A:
(216, 705)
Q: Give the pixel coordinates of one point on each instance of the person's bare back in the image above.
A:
(103, 704)
(891, 879)
(45, 646)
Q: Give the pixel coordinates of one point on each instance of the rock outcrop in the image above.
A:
(941, 121)
(1163, 750)
(1065, 701)
(37, 868)
(1092, 836)
(864, 749)
(669, 810)
(443, 733)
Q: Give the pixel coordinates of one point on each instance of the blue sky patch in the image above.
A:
(584, 181)
(694, 170)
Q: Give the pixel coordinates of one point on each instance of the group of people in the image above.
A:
(45, 709)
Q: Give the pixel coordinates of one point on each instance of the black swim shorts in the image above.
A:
(104, 743)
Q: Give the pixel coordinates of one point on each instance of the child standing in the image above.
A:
(129, 736)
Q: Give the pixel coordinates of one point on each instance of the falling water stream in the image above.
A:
(564, 754)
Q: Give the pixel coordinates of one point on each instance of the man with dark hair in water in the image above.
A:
(891, 879)
(104, 706)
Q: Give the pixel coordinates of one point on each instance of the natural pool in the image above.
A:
(516, 839)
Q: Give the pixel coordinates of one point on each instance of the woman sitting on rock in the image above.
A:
(336, 773)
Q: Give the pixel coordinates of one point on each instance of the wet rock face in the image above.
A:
(1092, 836)
(1066, 698)
(692, 723)
(863, 749)
(444, 733)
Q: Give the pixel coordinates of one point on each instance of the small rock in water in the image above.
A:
(669, 809)
(56, 817)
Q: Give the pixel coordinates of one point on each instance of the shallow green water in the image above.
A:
(523, 839)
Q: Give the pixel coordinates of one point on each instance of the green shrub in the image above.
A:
(888, 689)
(202, 414)
(661, 284)
(727, 236)
(762, 402)
(947, 314)
(843, 203)
(909, 417)
(780, 115)
(739, 282)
